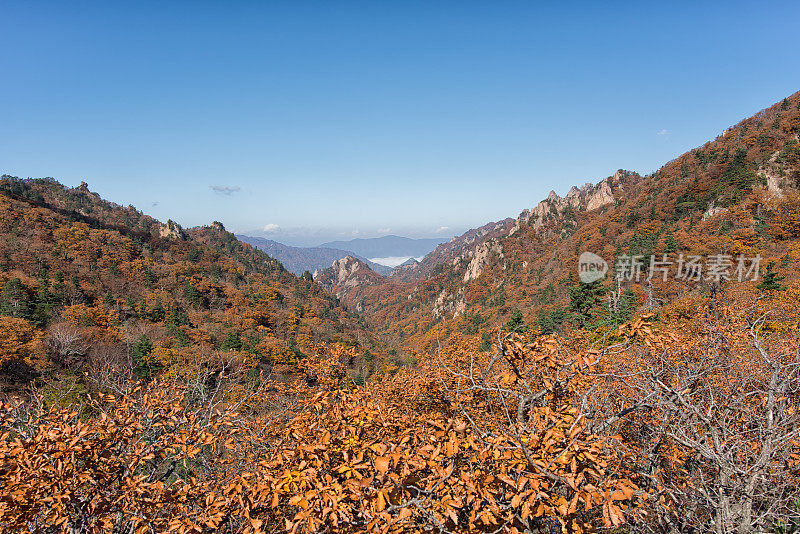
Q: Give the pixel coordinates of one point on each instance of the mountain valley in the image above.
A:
(165, 379)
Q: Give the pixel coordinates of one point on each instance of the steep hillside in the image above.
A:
(87, 283)
(298, 260)
(736, 195)
(446, 252)
(345, 277)
(181, 387)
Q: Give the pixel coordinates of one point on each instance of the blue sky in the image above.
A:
(322, 120)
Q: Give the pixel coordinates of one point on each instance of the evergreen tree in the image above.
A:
(549, 321)
(43, 303)
(180, 335)
(486, 342)
(130, 303)
(739, 177)
(517, 322)
(583, 298)
(231, 342)
(772, 279)
(150, 277)
(14, 300)
(76, 292)
(624, 308)
(59, 287)
(193, 296)
(177, 316)
(670, 244)
(143, 364)
(157, 312)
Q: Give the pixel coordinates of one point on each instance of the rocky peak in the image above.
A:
(585, 198)
(346, 273)
(171, 230)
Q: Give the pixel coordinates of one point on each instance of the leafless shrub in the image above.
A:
(66, 341)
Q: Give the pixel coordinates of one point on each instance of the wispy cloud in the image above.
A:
(442, 229)
(384, 230)
(225, 189)
(271, 227)
(662, 132)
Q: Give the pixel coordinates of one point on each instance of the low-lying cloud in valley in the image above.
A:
(393, 261)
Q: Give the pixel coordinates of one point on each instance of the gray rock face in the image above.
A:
(586, 198)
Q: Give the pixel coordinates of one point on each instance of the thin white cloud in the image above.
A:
(271, 227)
(356, 231)
(662, 132)
(225, 189)
(442, 229)
(384, 230)
(392, 261)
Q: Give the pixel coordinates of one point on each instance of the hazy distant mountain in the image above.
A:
(707, 199)
(387, 246)
(300, 259)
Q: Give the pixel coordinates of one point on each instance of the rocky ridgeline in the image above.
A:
(587, 198)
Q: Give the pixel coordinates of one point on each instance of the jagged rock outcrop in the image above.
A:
(775, 174)
(454, 251)
(446, 304)
(713, 210)
(586, 198)
(171, 230)
(480, 257)
(346, 274)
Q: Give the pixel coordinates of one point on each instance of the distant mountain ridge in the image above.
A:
(736, 194)
(387, 246)
(297, 260)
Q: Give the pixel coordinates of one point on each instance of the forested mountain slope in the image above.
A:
(157, 379)
(734, 195)
(84, 282)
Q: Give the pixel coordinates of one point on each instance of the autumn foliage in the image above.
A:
(156, 379)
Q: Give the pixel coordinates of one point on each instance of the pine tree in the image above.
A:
(486, 342)
(59, 287)
(231, 342)
(583, 298)
(177, 317)
(193, 296)
(517, 322)
(143, 365)
(157, 312)
(14, 300)
(43, 303)
(772, 279)
(549, 321)
(670, 244)
(624, 308)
